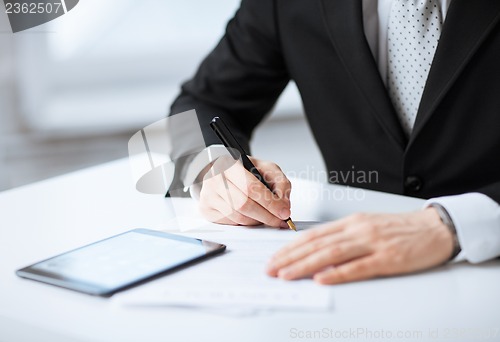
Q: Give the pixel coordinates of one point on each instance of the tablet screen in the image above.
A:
(120, 260)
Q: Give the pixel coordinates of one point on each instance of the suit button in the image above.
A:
(413, 183)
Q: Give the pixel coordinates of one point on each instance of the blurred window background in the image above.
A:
(74, 90)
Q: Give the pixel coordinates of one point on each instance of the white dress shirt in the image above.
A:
(476, 216)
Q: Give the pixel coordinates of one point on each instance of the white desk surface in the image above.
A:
(454, 302)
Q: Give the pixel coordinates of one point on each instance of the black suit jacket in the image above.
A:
(320, 44)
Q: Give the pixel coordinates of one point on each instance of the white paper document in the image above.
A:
(235, 280)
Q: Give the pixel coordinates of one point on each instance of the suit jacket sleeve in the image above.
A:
(241, 79)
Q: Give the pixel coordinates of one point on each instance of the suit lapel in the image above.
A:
(467, 24)
(344, 21)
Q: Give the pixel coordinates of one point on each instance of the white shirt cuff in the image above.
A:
(477, 221)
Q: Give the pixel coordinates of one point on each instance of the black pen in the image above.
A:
(232, 145)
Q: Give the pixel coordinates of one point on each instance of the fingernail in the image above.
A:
(271, 266)
(285, 273)
(318, 279)
(285, 213)
(284, 225)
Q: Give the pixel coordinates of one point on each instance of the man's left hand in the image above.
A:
(364, 246)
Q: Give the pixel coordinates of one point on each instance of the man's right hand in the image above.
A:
(236, 197)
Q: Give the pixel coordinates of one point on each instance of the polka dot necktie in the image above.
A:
(413, 35)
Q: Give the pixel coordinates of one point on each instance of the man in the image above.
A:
(408, 88)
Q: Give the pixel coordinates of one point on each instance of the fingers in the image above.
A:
(359, 269)
(327, 256)
(245, 210)
(335, 243)
(222, 199)
(221, 211)
(258, 192)
(318, 232)
(274, 176)
(288, 256)
(218, 211)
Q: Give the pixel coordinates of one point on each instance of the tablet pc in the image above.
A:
(119, 262)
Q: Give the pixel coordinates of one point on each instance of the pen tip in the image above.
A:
(291, 224)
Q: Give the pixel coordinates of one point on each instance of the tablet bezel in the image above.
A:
(29, 272)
